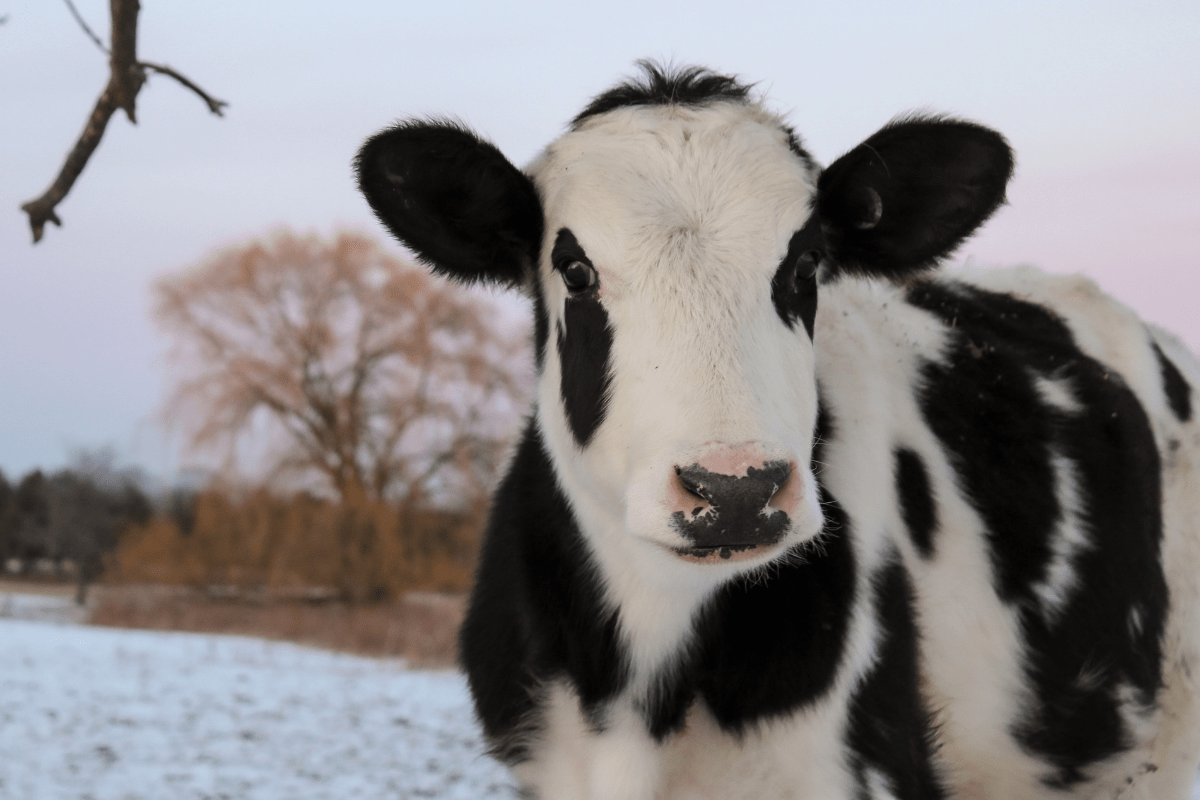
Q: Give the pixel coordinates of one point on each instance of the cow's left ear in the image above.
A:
(910, 194)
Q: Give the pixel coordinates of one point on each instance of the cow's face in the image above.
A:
(677, 277)
(674, 254)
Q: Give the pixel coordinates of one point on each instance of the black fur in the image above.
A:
(1179, 393)
(890, 726)
(685, 86)
(454, 200)
(660, 86)
(911, 193)
(794, 287)
(1000, 436)
(916, 500)
(584, 349)
(536, 611)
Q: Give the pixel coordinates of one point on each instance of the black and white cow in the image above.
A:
(798, 515)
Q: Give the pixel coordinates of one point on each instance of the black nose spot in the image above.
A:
(738, 513)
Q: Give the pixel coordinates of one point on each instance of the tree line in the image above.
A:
(66, 523)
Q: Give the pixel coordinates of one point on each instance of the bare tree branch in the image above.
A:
(41, 210)
(127, 75)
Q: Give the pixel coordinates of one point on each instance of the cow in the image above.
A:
(799, 512)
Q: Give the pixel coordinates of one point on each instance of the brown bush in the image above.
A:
(259, 541)
(421, 627)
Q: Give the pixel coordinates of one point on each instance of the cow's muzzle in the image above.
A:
(724, 514)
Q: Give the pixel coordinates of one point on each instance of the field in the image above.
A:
(92, 713)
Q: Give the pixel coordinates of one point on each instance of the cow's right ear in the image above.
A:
(453, 199)
(910, 194)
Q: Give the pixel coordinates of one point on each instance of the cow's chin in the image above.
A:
(737, 557)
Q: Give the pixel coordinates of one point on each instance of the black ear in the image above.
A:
(453, 199)
(910, 194)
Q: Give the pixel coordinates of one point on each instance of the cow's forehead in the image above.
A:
(669, 185)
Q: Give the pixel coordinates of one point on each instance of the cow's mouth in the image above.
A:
(718, 554)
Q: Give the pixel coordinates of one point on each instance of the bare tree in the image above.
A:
(379, 381)
(127, 75)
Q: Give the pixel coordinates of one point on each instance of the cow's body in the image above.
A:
(944, 538)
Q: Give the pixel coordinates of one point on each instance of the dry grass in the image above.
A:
(52, 588)
(421, 627)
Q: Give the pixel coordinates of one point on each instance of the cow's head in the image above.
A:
(674, 242)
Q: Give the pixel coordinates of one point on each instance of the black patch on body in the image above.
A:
(1179, 393)
(794, 287)
(536, 611)
(891, 729)
(916, 500)
(1001, 436)
(735, 516)
(584, 349)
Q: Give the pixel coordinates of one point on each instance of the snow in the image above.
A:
(105, 714)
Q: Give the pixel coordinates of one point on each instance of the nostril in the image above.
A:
(692, 482)
(777, 473)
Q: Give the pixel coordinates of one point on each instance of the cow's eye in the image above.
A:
(578, 276)
(806, 265)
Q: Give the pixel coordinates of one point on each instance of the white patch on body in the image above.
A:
(1068, 539)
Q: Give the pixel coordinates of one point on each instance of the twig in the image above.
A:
(91, 34)
(214, 105)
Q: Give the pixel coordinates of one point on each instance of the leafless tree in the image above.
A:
(378, 380)
(127, 75)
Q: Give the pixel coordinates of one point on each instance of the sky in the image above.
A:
(1100, 101)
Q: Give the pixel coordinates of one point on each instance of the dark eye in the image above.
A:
(578, 276)
(806, 265)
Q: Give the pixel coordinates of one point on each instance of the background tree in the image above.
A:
(8, 518)
(127, 75)
(367, 377)
(88, 506)
(72, 517)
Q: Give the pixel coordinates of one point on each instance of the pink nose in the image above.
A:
(733, 497)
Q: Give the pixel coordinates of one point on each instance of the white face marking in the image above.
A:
(686, 215)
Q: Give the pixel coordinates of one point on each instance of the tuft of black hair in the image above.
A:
(666, 85)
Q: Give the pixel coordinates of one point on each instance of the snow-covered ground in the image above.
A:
(103, 714)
